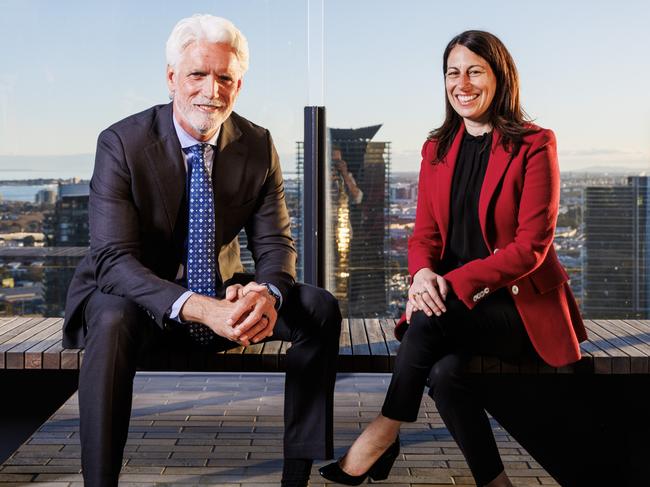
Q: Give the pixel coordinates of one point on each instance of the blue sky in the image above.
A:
(70, 68)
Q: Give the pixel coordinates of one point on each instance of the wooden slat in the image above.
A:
(602, 360)
(17, 336)
(35, 356)
(345, 342)
(360, 346)
(11, 323)
(16, 327)
(388, 329)
(643, 326)
(271, 355)
(617, 337)
(639, 350)
(71, 358)
(359, 338)
(15, 357)
(380, 359)
(620, 359)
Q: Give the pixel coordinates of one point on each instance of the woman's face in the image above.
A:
(470, 85)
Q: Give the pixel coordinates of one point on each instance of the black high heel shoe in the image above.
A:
(379, 470)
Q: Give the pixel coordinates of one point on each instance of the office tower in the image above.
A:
(67, 227)
(69, 223)
(616, 275)
(358, 241)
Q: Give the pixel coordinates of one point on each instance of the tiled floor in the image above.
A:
(226, 429)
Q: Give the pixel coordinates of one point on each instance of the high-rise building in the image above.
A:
(67, 227)
(358, 252)
(616, 277)
(69, 222)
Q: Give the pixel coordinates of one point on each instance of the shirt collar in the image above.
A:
(187, 140)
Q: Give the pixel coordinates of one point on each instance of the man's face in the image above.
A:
(205, 83)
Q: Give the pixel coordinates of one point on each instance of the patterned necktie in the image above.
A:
(201, 261)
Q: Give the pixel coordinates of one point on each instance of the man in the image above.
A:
(171, 189)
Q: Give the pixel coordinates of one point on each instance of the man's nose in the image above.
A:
(210, 88)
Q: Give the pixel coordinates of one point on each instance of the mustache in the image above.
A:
(208, 102)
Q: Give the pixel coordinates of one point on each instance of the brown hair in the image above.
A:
(506, 114)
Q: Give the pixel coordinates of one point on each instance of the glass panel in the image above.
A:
(70, 69)
(384, 70)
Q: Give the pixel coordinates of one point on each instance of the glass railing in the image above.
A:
(376, 67)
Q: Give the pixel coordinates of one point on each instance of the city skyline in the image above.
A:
(381, 66)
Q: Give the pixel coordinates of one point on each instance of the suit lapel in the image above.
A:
(445, 174)
(166, 164)
(228, 172)
(497, 165)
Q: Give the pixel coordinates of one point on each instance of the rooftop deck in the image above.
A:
(226, 429)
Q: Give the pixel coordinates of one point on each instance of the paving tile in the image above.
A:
(226, 429)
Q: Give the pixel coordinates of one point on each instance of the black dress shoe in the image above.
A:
(379, 470)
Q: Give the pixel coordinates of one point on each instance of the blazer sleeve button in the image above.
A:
(515, 290)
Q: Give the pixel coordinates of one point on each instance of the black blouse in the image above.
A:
(465, 240)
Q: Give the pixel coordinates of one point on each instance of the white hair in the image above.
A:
(210, 28)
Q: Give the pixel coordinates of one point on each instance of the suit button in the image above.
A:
(515, 290)
(495, 251)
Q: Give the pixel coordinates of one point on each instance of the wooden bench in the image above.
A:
(367, 345)
(586, 424)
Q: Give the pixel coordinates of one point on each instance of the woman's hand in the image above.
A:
(427, 293)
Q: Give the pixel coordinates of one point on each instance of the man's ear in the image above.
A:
(171, 80)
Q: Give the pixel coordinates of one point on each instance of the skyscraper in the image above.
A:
(358, 222)
(616, 275)
(68, 227)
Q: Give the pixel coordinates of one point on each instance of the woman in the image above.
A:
(485, 276)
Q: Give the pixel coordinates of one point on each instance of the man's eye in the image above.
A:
(225, 79)
(197, 74)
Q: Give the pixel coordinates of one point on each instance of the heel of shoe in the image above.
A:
(382, 467)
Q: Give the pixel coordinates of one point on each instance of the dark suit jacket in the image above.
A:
(138, 214)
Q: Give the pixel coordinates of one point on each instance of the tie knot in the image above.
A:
(196, 152)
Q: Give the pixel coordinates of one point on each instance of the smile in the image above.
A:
(207, 108)
(465, 99)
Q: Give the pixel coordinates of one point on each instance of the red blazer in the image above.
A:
(518, 210)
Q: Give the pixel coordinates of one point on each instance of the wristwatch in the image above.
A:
(274, 294)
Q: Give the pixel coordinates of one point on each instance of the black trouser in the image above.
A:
(119, 335)
(435, 351)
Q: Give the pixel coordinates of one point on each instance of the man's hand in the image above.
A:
(258, 306)
(214, 313)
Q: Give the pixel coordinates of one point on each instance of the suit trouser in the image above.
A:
(435, 352)
(120, 336)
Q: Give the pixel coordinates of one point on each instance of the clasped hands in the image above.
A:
(427, 293)
(246, 315)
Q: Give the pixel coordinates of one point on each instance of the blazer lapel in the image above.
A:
(166, 164)
(228, 173)
(497, 164)
(444, 177)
